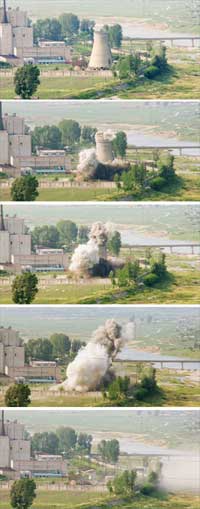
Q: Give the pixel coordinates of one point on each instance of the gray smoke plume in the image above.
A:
(87, 255)
(87, 163)
(94, 361)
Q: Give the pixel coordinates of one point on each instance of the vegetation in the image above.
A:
(57, 348)
(25, 188)
(120, 144)
(122, 392)
(109, 450)
(26, 80)
(24, 288)
(64, 441)
(18, 395)
(23, 493)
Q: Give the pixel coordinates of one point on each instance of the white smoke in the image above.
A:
(93, 362)
(87, 255)
(87, 162)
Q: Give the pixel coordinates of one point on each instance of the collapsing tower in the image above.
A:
(104, 151)
(101, 57)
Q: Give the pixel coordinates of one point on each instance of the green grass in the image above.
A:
(72, 500)
(180, 82)
(185, 188)
(180, 288)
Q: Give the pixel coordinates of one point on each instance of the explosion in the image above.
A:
(93, 362)
(87, 163)
(86, 256)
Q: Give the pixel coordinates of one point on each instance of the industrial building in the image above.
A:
(101, 57)
(16, 41)
(104, 149)
(16, 253)
(12, 361)
(16, 460)
(16, 150)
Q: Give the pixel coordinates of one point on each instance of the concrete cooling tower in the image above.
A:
(101, 57)
(104, 150)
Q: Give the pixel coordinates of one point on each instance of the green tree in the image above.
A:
(48, 29)
(114, 243)
(18, 395)
(87, 26)
(23, 493)
(84, 443)
(24, 288)
(47, 137)
(68, 231)
(129, 66)
(24, 188)
(158, 265)
(39, 349)
(128, 275)
(88, 134)
(45, 443)
(134, 179)
(120, 144)
(166, 166)
(83, 234)
(109, 450)
(118, 389)
(70, 131)
(69, 24)
(115, 35)
(26, 80)
(46, 236)
(76, 345)
(61, 345)
(124, 484)
(67, 439)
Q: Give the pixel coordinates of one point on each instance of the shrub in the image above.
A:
(157, 183)
(151, 72)
(148, 489)
(141, 394)
(151, 279)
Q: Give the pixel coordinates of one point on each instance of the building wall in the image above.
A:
(39, 260)
(9, 336)
(43, 465)
(20, 245)
(13, 357)
(4, 247)
(13, 124)
(17, 17)
(44, 52)
(40, 161)
(14, 430)
(20, 450)
(19, 145)
(4, 151)
(14, 225)
(6, 47)
(1, 358)
(22, 38)
(5, 452)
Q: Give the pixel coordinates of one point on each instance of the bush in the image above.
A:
(141, 394)
(151, 279)
(157, 183)
(151, 72)
(147, 489)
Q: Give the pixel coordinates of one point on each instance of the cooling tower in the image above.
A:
(101, 57)
(104, 150)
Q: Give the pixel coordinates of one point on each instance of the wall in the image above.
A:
(4, 152)
(4, 247)
(20, 145)
(6, 47)
(5, 452)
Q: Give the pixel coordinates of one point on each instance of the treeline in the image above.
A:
(58, 347)
(127, 484)
(134, 276)
(66, 134)
(139, 179)
(134, 66)
(68, 442)
(122, 392)
(68, 27)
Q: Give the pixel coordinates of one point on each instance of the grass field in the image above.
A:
(180, 82)
(72, 500)
(181, 287)
(186, 188)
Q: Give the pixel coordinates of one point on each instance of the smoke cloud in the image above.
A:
(94, 361)
(86, 256)
(87, 162)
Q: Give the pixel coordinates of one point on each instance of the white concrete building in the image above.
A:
(101, 57)
(16, 459)
(14, 141)
(16, 40)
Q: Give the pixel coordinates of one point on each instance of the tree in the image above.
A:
(118, 389)
(69, 24)
(87, 27)
(38, 349)
(70, 131)
(135, 178)
(25, 188)
(48, 136)
(67, 231)
(109, 450)
(88, 134)
(128, 275)
(124, 484)
(129, 66)
(83, 234)
(76, 345)
(158, 265)
(115, 35)
(46, 443)
(46, 236)
(24, 288)
(67, 439)
(18, 395)
(120, 144)
(22, 493)
(26, 80)
(47, 29)
(61, 345)
(166, 166)
(84, 443)
(114, 243)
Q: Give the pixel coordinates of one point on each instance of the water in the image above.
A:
(140, 139)
(133, 238)
(129, 354)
